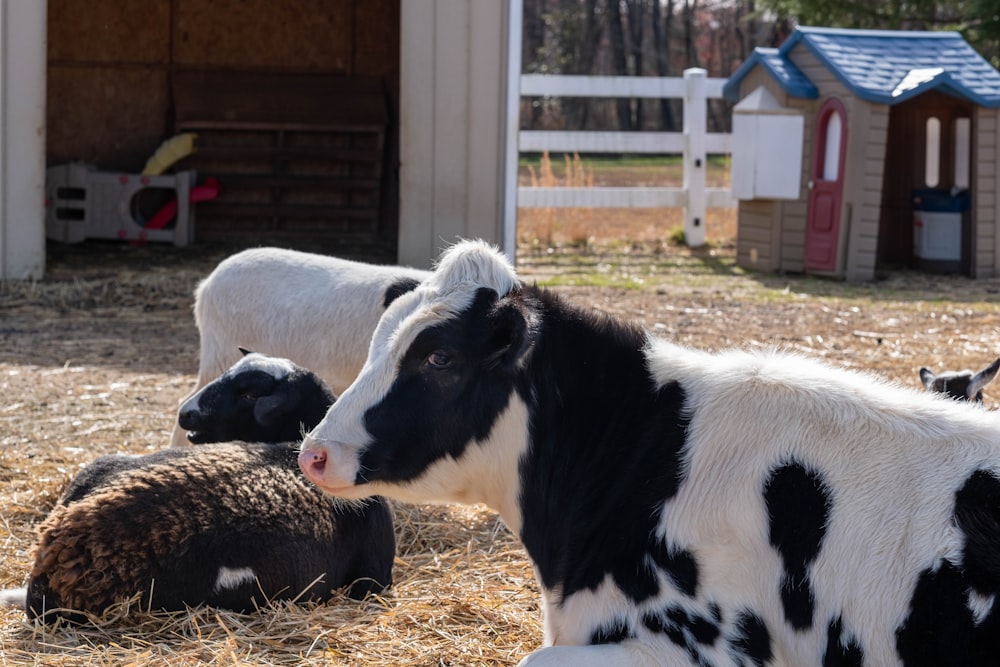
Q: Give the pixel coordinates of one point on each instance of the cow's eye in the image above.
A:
(247, 395)
(439, 359)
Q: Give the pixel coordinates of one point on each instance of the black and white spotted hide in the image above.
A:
(680, 507)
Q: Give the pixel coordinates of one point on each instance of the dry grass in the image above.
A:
(93, 360)
(582, 228)
(463, 595)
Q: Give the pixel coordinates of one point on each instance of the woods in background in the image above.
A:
(665, 37)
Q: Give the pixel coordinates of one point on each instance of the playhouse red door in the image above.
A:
(826, 188)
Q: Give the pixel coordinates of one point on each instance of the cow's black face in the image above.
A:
(451, 385)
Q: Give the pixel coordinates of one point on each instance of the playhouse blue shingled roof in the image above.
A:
(882, 66)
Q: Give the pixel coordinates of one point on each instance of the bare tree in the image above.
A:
(662, 27)
(619, 60)
(636, 30)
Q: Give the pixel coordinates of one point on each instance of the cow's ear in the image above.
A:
(509, 333)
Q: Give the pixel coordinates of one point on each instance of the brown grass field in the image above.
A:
(94, 358)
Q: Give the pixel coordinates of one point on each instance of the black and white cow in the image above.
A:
(680, 507)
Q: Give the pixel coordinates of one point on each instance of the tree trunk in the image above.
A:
(690, 47)
(636, 24)
(588, 51)
(661, 44)
(619, 60)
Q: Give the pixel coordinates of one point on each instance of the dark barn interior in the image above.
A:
(295, 105)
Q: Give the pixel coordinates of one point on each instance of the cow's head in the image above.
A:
(437, 386)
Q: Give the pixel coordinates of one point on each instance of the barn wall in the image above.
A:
(22, 138)
(452, 136)
(986, 195)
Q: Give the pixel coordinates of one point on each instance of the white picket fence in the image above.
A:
(694, 144)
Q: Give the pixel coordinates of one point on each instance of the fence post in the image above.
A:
(695, 122)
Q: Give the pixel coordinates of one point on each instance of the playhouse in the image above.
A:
(860, 150)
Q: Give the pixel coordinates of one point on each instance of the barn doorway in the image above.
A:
(928, 149)
(296, 105)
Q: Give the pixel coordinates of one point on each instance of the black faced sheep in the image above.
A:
(960, 385)
(259, 398)
(316, 310)
(233, 525)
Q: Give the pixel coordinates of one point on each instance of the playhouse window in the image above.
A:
(963, 135)
(932, 158)
(831, 156)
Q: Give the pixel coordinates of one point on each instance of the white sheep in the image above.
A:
(315, 310)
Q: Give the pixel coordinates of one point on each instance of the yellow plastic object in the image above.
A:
(169, 152)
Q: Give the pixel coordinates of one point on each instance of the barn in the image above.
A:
(857, 151)
(321, 119)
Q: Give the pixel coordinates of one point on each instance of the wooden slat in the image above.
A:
(290, 153)
(218, 209)
(210, 99)
(332, 183)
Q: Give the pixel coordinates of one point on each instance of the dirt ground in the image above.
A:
(94, 359)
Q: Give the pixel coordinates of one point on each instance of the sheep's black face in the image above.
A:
(224, 410)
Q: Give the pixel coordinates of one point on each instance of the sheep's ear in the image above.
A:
(269, 409)
(982, 378)
(927, 377)
(244, 350)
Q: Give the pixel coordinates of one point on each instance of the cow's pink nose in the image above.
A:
(313, 461)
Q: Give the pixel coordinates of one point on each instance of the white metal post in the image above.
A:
(22, 138)
(515, 13)
(695, 124)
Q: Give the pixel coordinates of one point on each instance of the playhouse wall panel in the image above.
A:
(986, 180)
(792, 222)
(754, 247)
(824, 80)
(862, 188)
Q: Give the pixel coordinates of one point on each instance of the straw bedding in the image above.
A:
(94, 359)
